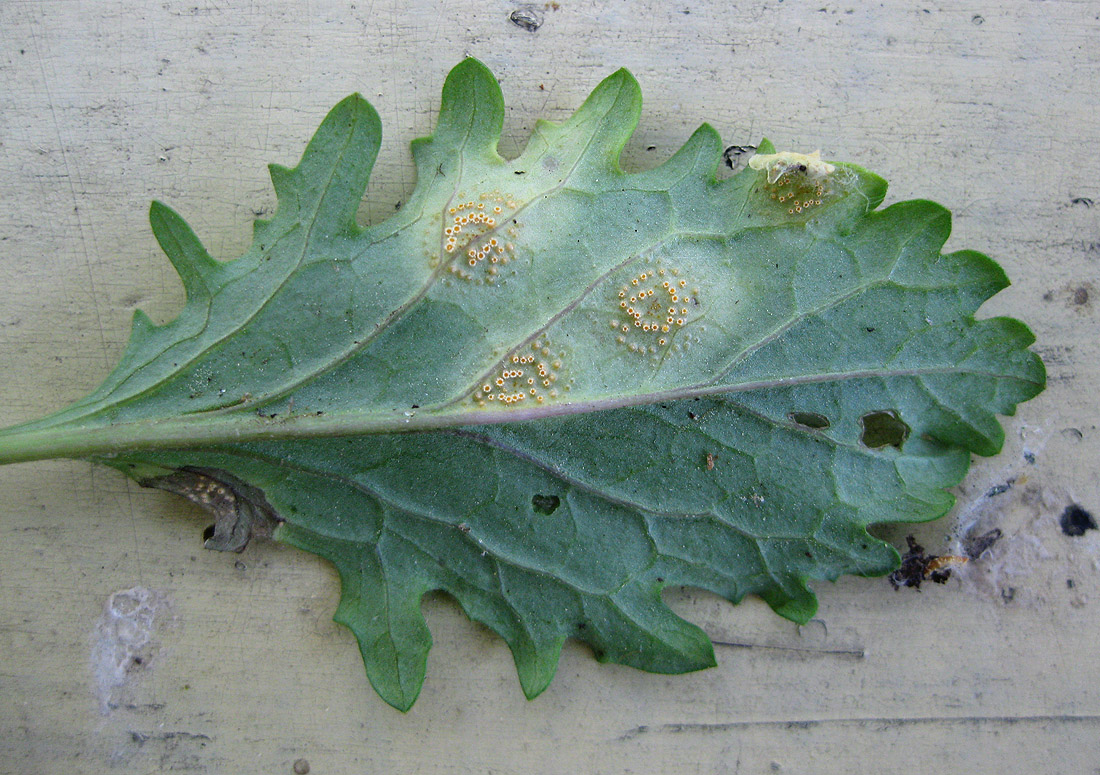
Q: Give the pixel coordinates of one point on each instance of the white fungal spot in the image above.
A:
(783, 163)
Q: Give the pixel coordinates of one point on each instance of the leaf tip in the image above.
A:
(626, 78)
(536, 667)
(795, 602)
(183, 248)
(280, 178)
(471, 112)
(629, 91)
(471, 67)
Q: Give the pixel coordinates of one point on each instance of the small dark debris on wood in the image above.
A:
(1081, 200)
(1000, 489)
(526, 18)
(736, 155)
(976, 546)
(917, 567)
(1075, 521)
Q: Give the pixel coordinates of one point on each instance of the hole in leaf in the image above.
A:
(545, 504)
(883, 429)
(810, 420)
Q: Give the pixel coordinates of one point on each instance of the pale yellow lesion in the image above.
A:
(533, 374)
(651, 308)
(808, 165)
(478, 238)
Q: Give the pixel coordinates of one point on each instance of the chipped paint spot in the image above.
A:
(123, 643)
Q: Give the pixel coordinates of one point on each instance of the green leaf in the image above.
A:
(551, 388)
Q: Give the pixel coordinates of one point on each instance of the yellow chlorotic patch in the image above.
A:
(530, 376)
(478, 236)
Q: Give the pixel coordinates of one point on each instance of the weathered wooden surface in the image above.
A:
(989, 108)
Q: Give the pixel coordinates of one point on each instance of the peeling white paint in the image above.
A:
(123, 642)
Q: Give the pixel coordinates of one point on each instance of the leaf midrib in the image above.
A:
(191, 431)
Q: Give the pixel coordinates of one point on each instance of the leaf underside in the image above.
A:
(550, 388)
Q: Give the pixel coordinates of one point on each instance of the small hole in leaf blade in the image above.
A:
(545, 504)
(810, 420)
(883, 429)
